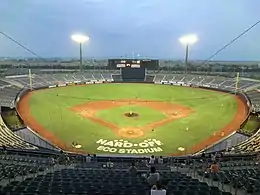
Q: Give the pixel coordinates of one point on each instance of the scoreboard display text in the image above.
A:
(131, 63)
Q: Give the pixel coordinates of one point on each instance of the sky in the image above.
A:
(150, 28)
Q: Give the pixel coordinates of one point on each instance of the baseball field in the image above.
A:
(132, 119)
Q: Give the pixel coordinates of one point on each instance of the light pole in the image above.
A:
(80, 39)
(187, 41)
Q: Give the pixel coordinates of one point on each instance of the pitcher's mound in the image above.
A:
(131, 114)
(130, 132)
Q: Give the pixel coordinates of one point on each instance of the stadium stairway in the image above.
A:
(14, 83)
(253, 87)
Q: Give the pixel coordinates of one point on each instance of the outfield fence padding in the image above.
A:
(32, 137)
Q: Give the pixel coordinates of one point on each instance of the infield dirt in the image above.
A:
(171, 111)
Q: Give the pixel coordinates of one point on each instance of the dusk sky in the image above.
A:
(120, 27)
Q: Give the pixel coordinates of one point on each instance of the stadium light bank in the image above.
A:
(80, 39)
(188, 40)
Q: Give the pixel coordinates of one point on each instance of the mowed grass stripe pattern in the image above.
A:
(213, 111)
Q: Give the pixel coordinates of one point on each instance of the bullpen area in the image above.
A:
(132, 119)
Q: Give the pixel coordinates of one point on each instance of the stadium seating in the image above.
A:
(177, 78)
(95, 178)
(11, 140)
(107, 182)
(159, 77)
(53, 79)
(97, 76)
(117, 77)
(167, 77)
(255, 99)
(149, 78)
(3, 83)
(8, 94)
(8, 171)
(107, 76)
(250, 145)
(245, 179)
(213, 81)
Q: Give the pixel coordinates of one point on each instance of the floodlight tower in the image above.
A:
(80, 39)
(187, 41)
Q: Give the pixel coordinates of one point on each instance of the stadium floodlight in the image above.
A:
(79, 38)
(187, 41)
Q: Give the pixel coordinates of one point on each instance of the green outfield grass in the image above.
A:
(213, 111)
(11, 119)
(251, 126)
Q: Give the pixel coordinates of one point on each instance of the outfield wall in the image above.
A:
(226, 143)
(34, 138)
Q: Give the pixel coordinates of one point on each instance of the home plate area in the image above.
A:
(130, 132)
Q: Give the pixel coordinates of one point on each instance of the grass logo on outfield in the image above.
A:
(126, 147)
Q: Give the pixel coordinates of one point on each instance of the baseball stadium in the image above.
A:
(132, 112)
(138, 119)
(103, 97)
(128, 109)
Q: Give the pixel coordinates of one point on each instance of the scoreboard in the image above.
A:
(133, 63)
(127, 63)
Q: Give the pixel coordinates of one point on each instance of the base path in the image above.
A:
(171, 111)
